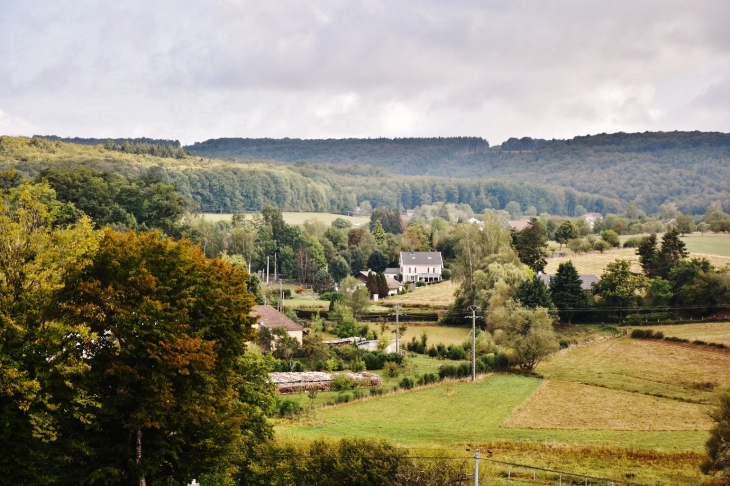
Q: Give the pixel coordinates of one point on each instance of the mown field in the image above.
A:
(615, 406)
(708, 244)
(435, 334)
(298, 219)
(439, 295)
(709, 332)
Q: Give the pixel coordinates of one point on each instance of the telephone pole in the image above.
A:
(397, 331)
(474, 309)
(281, 297)
(476, 467)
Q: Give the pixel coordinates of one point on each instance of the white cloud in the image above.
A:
(193, 70)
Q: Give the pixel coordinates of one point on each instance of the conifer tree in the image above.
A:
(533, 293)
(648, 255)
(530, 245)
(672, 250)
(372, 284)
(566, 291)
(379, 233)
(382, 285)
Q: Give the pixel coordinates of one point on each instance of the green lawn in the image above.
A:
(708, 244)
(453, 413)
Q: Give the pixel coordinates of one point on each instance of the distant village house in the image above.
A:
(421, 266)
(273, 319)
(591, 218)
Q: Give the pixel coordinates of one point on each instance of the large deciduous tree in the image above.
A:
(618, 287)
(168, 361)
(565, 232)
(530, 245)
(41, 361)
(671, 251)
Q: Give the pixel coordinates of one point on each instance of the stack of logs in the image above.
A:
(317, 380)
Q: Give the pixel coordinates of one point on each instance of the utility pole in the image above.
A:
(267, 271)
(397, 331)
(281, 297)
(476, 468)
(474, 309)
(276, 273)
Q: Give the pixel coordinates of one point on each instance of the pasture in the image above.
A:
(709, 332)
(594, 263)
(435, 334)
(708, 244)
(649, 367)
(565, 405)
(439, 295)
(296, 218)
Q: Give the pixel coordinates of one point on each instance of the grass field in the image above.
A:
(708, 244)
(594, 263)
(297, 219)
(452, 413)
(710, 332)
(437, 295)
(564, 405)
(300, 303)
(436, 334)
(643, 366)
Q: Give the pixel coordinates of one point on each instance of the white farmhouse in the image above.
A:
(424, 266)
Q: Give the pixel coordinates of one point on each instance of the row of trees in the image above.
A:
(122, 355)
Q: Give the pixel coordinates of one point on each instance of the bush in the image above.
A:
(495, 362)
(357, 365)
(342, 398)
(456, 352)
(328, 296)
(432, 351)
(632, 242)
(376, 391)
(646, 334)
(357, 394)
(298, 367)
(564, 343)
(420, 284)
(376, 360)
(406, 383)
(287, 407)
(343, 383)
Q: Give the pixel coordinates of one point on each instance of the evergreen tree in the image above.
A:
(533, 293)
(648, 255)
(377, 262)
(379, 233)
(372, 284)
(530, 245)
(566, 291)
(671, 252)
(565, 232)
(339, 268)
(323, 281)
(382, 285)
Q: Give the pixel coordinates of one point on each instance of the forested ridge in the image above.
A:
(248, 184)
(651, 168)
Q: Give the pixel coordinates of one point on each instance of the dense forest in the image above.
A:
(652, 168)
(249, 185)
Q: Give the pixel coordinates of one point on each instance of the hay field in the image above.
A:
(594, 263)
(296, 218)
(643, 366)
(435, 295)
(710, 332)
(563, 405)
(436, 334)
(709, 244)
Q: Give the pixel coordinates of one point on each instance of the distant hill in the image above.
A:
(690, 169)
(118, 141)
(248, 184)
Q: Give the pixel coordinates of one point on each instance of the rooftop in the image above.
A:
(421, 258)
(272, 318)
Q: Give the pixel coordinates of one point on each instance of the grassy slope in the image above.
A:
(436, 295)
(708, 244)
(648, 367)
(710, 332)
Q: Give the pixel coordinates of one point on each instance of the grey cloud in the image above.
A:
(194, 70)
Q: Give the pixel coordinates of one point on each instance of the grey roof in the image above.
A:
(392, 271)
(272, 318)
(587, 280)
(421, 258)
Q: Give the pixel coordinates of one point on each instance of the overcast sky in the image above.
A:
(194, 70)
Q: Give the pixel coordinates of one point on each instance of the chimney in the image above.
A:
(412, 252)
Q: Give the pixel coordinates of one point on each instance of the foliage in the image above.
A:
(611, 237)
(530, 334)
(648, 255)
(112, 199)
(378, 262)
(389, 219)
(566, 291)
(323, 282)
(717, 446)
(42, 368)
(671, 251)
(530, 245)
(339, 268)
(618, 287)
(169, 360)
(533, 293)
(566, 231)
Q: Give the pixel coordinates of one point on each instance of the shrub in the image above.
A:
(376, 391)
(420, 284)
(357, 365)
(391, 369)
(342, 398)
(448, 371)
(646, 334)
(432, 351)
(427, 378)
(298, 367)
(406, 383)
(328, 296)
(465, 369)
(287, 407)
(343, 383)
(455, 352)
(632, 242)
(564, 343)
(445, 274)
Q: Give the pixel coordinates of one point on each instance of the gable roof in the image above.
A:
(421, 258)
(272, 318)
(587, 280)
(518, 225)
(393, 283)
(391, 271)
